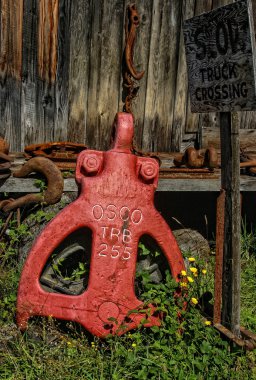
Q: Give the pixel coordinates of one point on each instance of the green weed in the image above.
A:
(185, 346)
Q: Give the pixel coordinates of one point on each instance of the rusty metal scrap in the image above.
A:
(129, 72)
(220, 221)
(195, 159)
(247, 164)
(5, 160)
(130, 30)
(64, 154)
(4, 146)
(248, 344)
(54, 180)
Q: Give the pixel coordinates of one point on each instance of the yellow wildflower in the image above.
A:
(183, 284)
(69, 343)
(134, 345)
(194, 301)
(193, 270)
(207, 323)
(190, 279)
(191, 259)
(204, 271)
(183, 273)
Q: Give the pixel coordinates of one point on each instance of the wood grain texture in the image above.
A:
(162, 71)
(47, 39)
(11, 37)
(61, 72)
(247, 140)
(10, 70)
(181, 90)
(48, 11)
(230, 182)
(27, 185)
(29, 130)
(141, 55)
(80, 37)
(104, 71)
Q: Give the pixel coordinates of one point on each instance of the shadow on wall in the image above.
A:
(198, 210)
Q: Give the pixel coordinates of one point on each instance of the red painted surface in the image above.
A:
(116, 203)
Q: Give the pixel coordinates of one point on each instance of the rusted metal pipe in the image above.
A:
(220, 220)
(245, 343)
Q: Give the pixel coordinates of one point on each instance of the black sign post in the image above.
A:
(221, 73)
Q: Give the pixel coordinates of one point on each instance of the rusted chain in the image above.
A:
(130, 73)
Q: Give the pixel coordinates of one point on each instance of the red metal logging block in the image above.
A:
(116, 203)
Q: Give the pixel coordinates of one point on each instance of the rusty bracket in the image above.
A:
(130, 73)
(54, 180)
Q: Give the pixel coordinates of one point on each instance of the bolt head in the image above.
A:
(148, 170)
(91, 164)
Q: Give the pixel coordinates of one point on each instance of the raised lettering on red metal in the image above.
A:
(116, 203)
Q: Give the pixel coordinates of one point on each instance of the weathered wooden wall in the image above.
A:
(60, 72)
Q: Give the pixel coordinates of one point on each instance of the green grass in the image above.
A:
(182, 348)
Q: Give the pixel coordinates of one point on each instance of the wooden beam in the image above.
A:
(230, 182)
(27, 185)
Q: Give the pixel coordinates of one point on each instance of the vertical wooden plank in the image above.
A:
(47, 39)
(4, 26)
(10, 71)
(230, 182)
(247, 120)
(161, 79)
(181, 90)
(62, 73)
(80, 36)
(29, 126)
(47, 64)
(15, 38)
(104, 73)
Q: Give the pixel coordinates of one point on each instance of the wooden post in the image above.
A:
(230, 182)
(220, 52)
